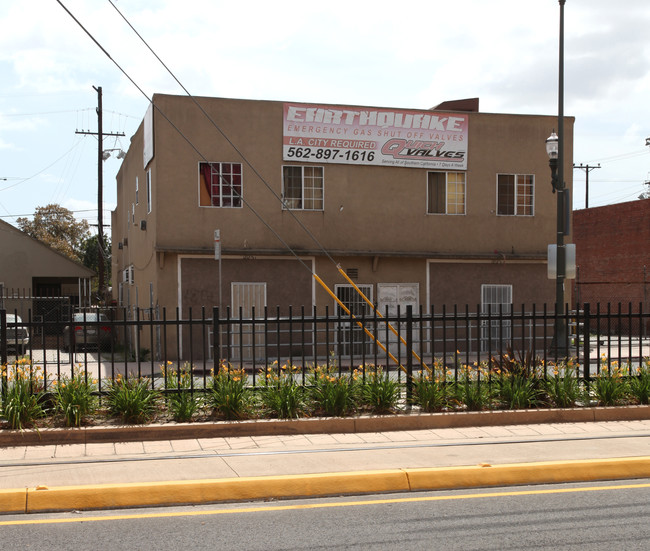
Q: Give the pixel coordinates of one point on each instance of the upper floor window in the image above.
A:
(137, 190)
(302, 187)
(148, 191)
(446, 193)
(220, 184)
(515, 194)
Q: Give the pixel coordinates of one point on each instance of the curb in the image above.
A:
(109, 496)
(269, 427)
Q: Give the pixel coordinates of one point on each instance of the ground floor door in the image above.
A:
(247, 339)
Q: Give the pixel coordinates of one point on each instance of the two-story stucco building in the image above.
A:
(423, 207)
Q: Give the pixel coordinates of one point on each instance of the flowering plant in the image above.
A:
(22, 393)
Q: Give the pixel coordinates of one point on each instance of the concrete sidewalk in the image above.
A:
(199, 470)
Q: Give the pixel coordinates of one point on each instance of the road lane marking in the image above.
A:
(306, 506)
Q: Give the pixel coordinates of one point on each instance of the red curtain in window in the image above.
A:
(207, 171)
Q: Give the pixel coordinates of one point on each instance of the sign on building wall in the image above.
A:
(147, 151)
(368, 136)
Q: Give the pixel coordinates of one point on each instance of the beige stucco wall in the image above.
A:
(383, 215)
(24, 260)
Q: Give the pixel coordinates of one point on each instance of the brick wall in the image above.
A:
(612, 248)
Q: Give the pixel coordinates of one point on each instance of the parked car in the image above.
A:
(88, 330)
(17, 335)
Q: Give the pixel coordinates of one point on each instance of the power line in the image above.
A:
(223, 134)
(587, 170)
(621, 157)
(266, 224)
(187, 140)
(23, 180)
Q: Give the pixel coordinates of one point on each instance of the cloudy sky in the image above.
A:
(412, 54)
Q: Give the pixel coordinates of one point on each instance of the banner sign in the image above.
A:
(368, 136)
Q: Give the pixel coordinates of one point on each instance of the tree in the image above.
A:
(90, 257)
(57, 227)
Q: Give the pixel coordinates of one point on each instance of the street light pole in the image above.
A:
(557, 158)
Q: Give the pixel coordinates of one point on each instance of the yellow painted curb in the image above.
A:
(107, 496)
(103, 496)
(13, 501)
(528, 473)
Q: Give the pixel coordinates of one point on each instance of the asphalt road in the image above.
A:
(570, 516)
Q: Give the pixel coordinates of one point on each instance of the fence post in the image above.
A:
(3, 347)
(3, 332)
(585, 340)
(409, 354)
(216, 340)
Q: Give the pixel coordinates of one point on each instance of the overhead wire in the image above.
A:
(23, 180)
(273, 192)
(247, 203)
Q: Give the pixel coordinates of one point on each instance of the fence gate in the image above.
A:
(495, 300)
(247, 296)
(350, 337)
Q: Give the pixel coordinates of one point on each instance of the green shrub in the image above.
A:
(331, 393)
(562, 386)
(74, 398)
(133, 399)
(472, 389)
(229, 396)
(22, 394)
(518, 391)
(379, 392)
(430, 390)
(282, 396)
(640, 383)
(182, 401)
(610, 386)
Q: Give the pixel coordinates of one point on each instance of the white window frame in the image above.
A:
(447, 184)
(235, 198)
(518, 195)
(291, 203)
(137, 190)
(149, 198)
(128, 275)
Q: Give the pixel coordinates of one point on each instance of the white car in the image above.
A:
(17, 335)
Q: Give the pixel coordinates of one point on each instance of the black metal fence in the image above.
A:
(138, 342)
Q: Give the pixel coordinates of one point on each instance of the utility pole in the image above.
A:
(100, 187)
(587, 169)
